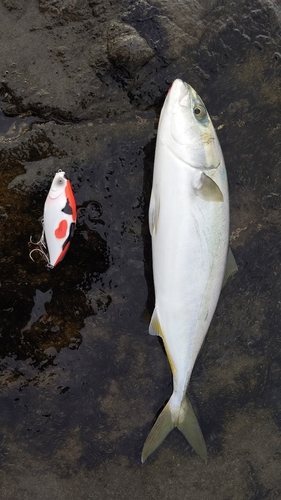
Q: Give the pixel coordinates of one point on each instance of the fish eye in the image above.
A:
(199, 111)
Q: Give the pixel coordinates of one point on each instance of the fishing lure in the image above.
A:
(58, 221)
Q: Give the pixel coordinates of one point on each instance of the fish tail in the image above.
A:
(182, 417)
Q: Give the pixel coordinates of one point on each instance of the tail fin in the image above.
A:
(184, 419)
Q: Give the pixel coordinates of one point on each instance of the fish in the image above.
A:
(191, 259)
(59, 220)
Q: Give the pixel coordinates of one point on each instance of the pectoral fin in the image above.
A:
(230, 267)
(155, 327)
(206, 188)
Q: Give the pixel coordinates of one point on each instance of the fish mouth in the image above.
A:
(182, 91)
(192, 92)
(178, 93)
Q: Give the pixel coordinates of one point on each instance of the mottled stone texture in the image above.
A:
(81, 87)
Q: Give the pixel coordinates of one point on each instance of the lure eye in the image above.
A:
(59, 182)
(199, 112)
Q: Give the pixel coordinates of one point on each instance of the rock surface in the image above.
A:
(82, 83)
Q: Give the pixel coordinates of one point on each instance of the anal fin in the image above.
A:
(230, 267)
(155, 327)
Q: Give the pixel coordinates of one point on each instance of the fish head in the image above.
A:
(186, 128)
(58, 185)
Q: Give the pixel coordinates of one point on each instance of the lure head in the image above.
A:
(58, 185)
(186, 128)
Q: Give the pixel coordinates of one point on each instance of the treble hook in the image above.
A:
(41, 246)
(44, 255)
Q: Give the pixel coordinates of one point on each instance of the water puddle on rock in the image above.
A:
(67, 332)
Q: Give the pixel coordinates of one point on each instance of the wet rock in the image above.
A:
(169, 30)
(53, 52)
(126, 48)
(13, 4)
(3, 214)
(27, 143)
(98, 59)
(81, 87)
(34, 178)
(69, 10)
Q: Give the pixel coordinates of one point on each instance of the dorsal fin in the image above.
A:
(154, 209)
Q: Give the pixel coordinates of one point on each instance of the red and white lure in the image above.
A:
(58, 221)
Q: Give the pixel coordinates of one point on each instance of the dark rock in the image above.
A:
(69, 10)
(126, 48)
